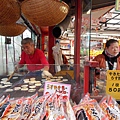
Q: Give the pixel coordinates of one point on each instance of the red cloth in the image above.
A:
(36, 61)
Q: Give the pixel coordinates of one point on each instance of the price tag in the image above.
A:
(113, 83)
(60, 89)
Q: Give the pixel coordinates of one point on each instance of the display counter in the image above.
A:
(32, 94)
(89, 83)
(26, 83)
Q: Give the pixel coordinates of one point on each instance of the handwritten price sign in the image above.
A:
(60, 89)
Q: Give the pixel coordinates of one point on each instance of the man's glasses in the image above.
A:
(25, 47)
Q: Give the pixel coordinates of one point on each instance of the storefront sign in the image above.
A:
(60, 89)
(113, 83)
(117, 5)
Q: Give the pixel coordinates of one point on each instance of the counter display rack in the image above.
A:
(28, 90)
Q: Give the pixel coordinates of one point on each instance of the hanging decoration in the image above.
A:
(9, 11)
(44, 12)
(12, 30)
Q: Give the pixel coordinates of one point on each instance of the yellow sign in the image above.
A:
(117, 5)
(113, 83)
(119, 42)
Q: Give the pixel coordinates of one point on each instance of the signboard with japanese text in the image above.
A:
(113, 83)
(117, 5)
(60, 89)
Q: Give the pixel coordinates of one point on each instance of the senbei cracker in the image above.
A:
(24, 89)
(31, 90)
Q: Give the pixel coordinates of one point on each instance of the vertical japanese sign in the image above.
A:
(113, 83)
(59, 88)
(117, 5)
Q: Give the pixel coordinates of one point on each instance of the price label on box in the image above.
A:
(113, 83)
(62, 90)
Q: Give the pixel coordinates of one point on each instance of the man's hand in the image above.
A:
(46, 73)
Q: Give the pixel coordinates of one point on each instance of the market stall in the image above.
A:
(25, 85)
(32, 96)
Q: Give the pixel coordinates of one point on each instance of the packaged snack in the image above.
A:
(27, 106)
(37, 109)
(88, 109)
(4, 100)
(4, 109)
(16, 108)
(70, 112)
(110, 107)
(26, 110)
(57, 115)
